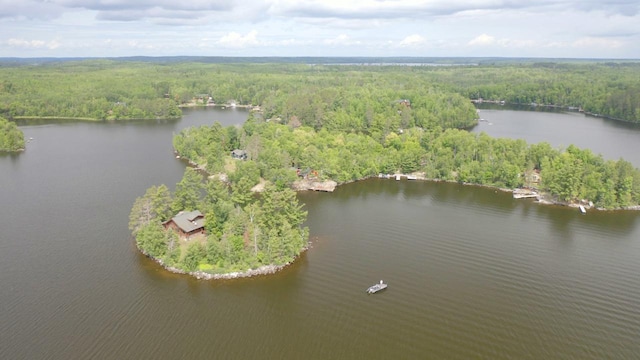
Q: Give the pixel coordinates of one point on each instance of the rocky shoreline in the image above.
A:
(303, 185)
(202, 275)
(542, 198)
(330, 186)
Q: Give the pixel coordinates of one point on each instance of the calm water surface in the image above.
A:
(612, 139)
(472, 273)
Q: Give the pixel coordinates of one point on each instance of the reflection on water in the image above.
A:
(612, 139)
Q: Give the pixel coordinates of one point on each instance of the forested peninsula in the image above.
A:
(11, 137)
(237, 215)
(241, 240)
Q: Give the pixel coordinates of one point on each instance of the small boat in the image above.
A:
(377, 287)
(582, 209)
(412, 177)
(397, 177)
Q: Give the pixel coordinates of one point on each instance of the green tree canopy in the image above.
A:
(11, 137)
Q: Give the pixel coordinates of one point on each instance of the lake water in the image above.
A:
(612, 139)
(472, 273)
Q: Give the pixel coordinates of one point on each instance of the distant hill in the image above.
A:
(373, 61)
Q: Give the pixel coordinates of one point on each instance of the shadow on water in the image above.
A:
(524, 107)
(156, 273)
(564, 219)
(191, 117)
(480, 196)
(625, 125)
(14, 156)
(364, 188)
(439, 192)
(140, 122)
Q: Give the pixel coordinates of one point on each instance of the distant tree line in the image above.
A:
(605, 89)
(336, 97)
(11, 137)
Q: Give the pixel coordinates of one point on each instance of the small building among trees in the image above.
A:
(186, 223)
(404, 102)
(239, 154)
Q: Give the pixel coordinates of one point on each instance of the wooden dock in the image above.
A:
(524, 194)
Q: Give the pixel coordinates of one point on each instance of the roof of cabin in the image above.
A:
(189, 221)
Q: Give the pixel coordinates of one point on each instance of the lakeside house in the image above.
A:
(307, 174)
(532, 178)
(239, 154)
(186, 223)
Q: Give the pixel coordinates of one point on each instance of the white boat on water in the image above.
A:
(582, 209)
(377, 287)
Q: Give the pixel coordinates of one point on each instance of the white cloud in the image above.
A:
(516, 43)
(571, 28)
(118, 5)
(33, 44)
(29, 9)
(419, 9)
(237, 40)
(482, 40)
(292, 42)
(342, 40)
(593, 42)
(413, 41)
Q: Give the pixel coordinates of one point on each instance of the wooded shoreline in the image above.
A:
(202, 275)
(264, 270)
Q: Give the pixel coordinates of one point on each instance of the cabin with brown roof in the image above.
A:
(186, 224)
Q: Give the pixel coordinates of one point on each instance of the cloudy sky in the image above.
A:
(509, 28)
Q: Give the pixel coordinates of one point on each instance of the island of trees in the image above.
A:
(244, 233)
(11, 137)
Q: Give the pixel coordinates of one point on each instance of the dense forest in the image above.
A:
(610, 89)
(281, 151)
(327, 122)
(243, 230)
(11, 137)
(315, 93)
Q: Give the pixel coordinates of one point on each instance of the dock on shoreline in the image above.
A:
(525, 193)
